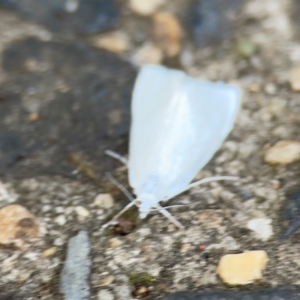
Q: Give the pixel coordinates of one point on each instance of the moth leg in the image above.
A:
(119, 186)
(163, 211)
(117, 156)
(114, 221)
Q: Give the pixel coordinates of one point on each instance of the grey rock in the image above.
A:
(77, 94)
(284, 293)
(209, 22)
(90, 16)
(76, 271)
(11, 149)
(290, 214)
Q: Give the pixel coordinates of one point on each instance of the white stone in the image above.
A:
(46, 208)
(115, 242)
(59, 209)
(154, 270)
(31, 256)
(147, 54)
(145, 7)
(144, 232)
(7, 194)
(270, 89)
(59, 241)
(60, 220)
(71, 6)
(105, 201)
(262, 228)
(82, 211)
(123, 292)
(105, 295)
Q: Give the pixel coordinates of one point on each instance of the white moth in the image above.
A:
(178, 123)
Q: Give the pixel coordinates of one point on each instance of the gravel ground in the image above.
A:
(64, 98)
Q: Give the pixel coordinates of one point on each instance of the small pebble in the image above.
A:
(276, 107)
(270, 89)
(281, 131)
(141, 291)
(123, 292)
(34, 116)
(254, 87)
(71, 6)
(116, 42)
(145, 7)
(185, 248)
(105, 295)
(275, 184)
(244, 268)
(283, 153)
(147, 54)
(82, 211)
(31, 256)
(143, 232)
(245, 47)
(24, 276)
(115, 242)
(68, 210)
(167, 33)
(46, 208)
(49, 252)
(59, 209)
(108, 280)
(16, 222)
(262, 228)
(7, 194)
(295, 79)
(105, 201)
(9, 263)
(60, 220)
(59, 241)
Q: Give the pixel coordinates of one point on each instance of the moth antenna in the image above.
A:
(117, 156)
(176, 205)
(119, 186)
(205, 180)
(163, 211)
(209, 179)
(114, 221)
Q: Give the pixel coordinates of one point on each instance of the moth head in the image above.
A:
(144, 208)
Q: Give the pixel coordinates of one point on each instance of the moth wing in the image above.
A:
(178, 123)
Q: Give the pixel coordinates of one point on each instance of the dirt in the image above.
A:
(81, 94)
